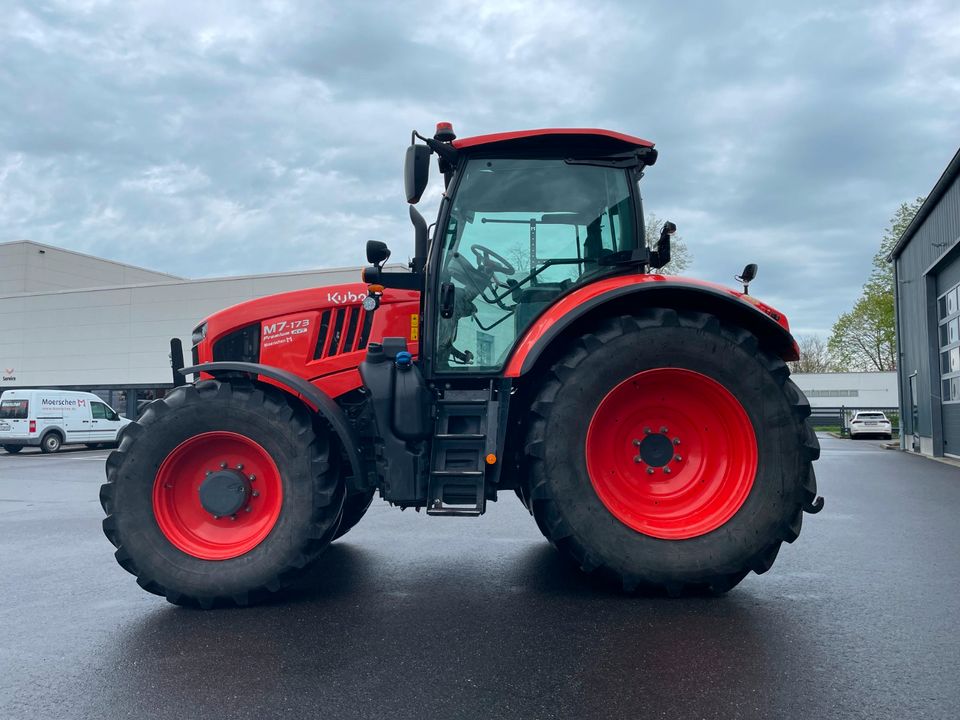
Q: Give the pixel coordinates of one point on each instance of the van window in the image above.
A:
(102, 412)
(14, 409)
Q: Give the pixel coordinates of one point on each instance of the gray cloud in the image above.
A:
(213, 138)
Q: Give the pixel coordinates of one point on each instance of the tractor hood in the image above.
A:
(312, 332)
(294, 302)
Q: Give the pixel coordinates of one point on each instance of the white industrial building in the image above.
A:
(852, 390)
(74, 321)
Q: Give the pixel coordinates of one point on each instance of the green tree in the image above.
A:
(865, 337)
(680, 255)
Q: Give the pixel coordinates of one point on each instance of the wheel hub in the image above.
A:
(656, 449)
(224, 492)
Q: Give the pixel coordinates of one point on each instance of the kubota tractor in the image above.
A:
(646, 422)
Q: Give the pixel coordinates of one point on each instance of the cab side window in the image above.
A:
(100, 411)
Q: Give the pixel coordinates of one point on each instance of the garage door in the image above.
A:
(948, 312)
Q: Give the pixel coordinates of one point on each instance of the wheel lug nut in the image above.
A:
(650, 471)
(223, 466)
(251, 478)
(636, 442)
(216, 517)
(676, 441)
(663, 429)
(647, 431)
(667, 471)
(637, 458)
(247, 509)
(239, 466)
(208, 473)
(677, 458)
(233, 517)
(255, 493)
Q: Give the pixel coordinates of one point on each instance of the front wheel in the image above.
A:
(670, 452)
(221, 494)
(13, 449)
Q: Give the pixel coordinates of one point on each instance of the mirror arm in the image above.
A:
(420, 240)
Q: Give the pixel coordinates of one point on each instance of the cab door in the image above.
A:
(104, 422)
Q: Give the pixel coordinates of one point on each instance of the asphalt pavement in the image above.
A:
(416, 617)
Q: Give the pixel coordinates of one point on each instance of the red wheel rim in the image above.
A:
(176, 496)
(671, 453)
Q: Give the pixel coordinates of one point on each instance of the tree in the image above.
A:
(680, 255)
(814, 356)
(865, 337)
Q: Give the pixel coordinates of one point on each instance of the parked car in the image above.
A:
(873, 422)
(49, 419)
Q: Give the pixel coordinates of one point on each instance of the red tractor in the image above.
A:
(646, 422)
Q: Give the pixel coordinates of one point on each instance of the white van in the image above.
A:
(51, 418)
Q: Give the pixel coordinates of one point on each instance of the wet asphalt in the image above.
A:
(416, 617)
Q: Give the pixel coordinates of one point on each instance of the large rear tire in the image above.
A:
(219, 438)
(670, 452)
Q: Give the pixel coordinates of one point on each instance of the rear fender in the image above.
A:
(315, 398)
(626, 293)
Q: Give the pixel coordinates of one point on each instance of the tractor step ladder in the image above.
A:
(460, 442)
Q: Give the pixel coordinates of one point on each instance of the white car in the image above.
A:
(51, 418)
(871, 422)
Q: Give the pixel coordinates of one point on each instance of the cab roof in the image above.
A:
(559, 139)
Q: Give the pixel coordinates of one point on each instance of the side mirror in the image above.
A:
(377, 252)
(747, 276)
(416, 172)
(661, 256)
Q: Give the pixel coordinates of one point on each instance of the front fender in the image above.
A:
(624, 293)
(313, 396)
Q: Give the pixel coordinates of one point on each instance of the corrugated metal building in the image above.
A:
(79, 322)
(927, 270)
(850, 390)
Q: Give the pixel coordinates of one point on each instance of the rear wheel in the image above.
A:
(13, 449)
(670, 452)
(220, 494)
(51, 442)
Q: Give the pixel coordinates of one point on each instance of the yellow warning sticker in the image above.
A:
(414, 327)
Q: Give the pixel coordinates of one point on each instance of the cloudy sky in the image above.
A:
(212, 138)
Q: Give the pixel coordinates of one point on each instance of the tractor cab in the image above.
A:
(526, 217)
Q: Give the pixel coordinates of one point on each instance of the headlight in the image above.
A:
(199, 334)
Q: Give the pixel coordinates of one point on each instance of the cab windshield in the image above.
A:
(520, 233)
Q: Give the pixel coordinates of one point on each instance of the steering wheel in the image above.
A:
(489, 260)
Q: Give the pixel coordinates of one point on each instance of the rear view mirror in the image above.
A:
(748, 274)
(377, 252)
(416, 172)
(661, 256)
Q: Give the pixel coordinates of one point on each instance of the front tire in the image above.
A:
(671, 453)
(249, 440)
(13, 449)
